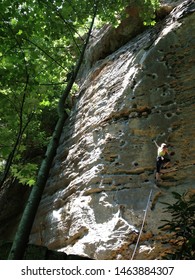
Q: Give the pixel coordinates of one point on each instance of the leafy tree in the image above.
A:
(40, 43)
(181, 226)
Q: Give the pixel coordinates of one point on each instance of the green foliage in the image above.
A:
(25, 173)
(182, 225)
(40, 43)
(148, 11)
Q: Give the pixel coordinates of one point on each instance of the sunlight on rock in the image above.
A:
(99, 187)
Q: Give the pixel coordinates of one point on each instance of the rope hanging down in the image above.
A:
(144, 218)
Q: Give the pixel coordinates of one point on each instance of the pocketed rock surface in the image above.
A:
(103, 176)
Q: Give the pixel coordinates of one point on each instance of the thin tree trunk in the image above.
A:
(22, 235)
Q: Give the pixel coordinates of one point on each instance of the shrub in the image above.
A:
(181, 226)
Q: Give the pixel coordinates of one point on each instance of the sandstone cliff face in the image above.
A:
(103, 174)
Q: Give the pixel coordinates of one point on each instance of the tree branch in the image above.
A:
(42, 50)
(77, 67)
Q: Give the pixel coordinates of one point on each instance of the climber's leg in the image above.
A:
(158, 168)
(165, 162)
(157, 176)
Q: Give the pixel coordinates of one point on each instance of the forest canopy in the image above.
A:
(41, 41)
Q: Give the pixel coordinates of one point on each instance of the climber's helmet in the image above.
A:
(163, 145)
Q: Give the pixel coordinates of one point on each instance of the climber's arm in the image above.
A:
(156, 144)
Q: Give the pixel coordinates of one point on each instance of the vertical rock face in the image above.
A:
(103, 174)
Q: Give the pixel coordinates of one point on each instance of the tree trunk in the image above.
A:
(22, 235)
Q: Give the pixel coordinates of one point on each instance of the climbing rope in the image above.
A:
(144, 218)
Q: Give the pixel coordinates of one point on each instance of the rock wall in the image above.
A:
(103, 174)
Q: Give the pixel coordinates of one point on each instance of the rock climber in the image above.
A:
(163, 158)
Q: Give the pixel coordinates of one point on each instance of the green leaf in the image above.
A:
(30, 182)
(20, 32)
(13, 21)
